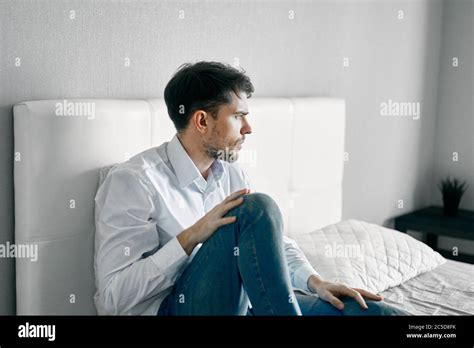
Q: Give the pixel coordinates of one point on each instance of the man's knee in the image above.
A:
(257, 202)
(260, 211)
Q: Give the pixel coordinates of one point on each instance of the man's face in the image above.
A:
(227, 132)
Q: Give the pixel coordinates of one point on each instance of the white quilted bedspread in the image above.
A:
(365, 255)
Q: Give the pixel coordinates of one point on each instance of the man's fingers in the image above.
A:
(369, 295)
(335, 302)
(232, 204)
(357, 296)
(227, 220)
(235, 194)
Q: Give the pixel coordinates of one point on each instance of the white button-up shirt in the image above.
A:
(141, 206)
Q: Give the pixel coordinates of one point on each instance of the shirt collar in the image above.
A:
(217, 169)
(184, 167)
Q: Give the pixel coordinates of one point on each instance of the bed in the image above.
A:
(61, 146)
(407, 272)
(446, 290)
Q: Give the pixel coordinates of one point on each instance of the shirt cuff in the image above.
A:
(301, 276)
(170, 257)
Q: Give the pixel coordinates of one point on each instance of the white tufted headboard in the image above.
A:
(295, 154)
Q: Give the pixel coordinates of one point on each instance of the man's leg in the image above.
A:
(248, 252)
(313, 305)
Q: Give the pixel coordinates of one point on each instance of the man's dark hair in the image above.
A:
(203, 86)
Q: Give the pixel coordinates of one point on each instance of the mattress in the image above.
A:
(446, 290)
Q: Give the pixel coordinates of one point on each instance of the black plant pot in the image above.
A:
(451, 205)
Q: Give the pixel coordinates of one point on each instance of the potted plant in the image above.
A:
(452, 190)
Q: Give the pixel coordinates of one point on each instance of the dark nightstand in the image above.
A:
(432, 222)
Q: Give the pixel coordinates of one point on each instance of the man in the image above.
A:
(179, 233)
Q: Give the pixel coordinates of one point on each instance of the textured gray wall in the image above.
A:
(390, 158)
(455, 124)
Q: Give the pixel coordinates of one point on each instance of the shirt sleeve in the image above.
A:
(125, 233)
(298, 265)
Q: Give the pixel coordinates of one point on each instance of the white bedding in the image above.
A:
(446, 290)
(407, 272)
(364, 255)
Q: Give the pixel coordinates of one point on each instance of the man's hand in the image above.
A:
(331, 291)
(209, 223)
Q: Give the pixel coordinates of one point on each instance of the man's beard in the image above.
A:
(227, 154)
(211, 151)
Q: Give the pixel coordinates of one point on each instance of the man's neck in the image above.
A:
(194, 151)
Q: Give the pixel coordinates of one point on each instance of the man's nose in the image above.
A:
(246, 129)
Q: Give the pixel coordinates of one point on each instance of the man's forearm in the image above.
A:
(313, 282)
(186, 240)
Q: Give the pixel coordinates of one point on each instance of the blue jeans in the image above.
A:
(247, 254)
(314, 306)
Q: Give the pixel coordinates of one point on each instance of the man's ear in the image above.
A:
(200, 121)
